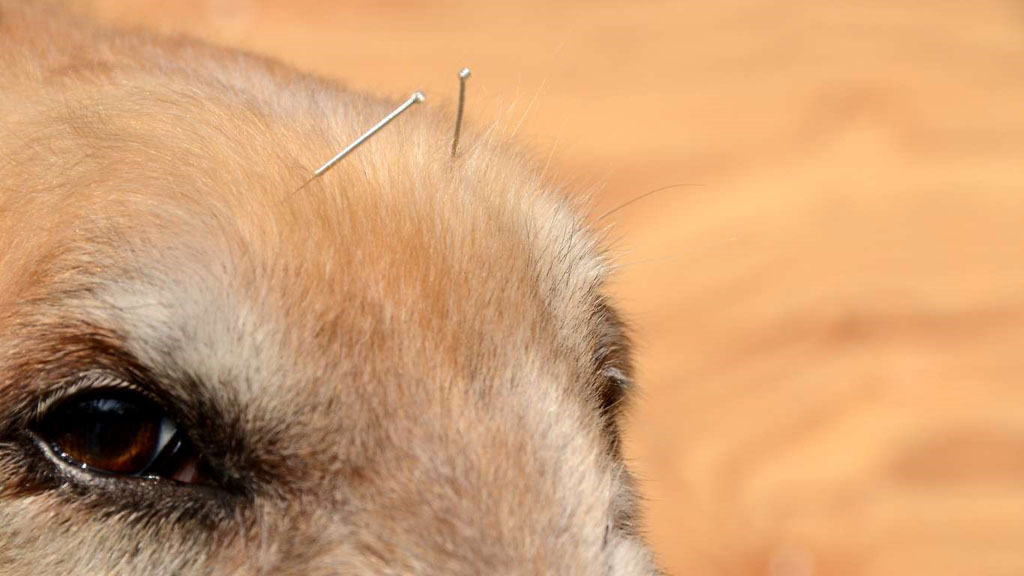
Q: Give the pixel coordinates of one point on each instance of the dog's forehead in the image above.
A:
(396, 271)
(185, 193)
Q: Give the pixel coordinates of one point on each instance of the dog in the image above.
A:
(409, 365)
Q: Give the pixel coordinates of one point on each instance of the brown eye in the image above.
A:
(120, 433)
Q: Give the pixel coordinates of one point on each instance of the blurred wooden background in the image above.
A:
(830, 312)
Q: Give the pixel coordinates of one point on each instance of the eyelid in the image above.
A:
(87, 382)
(79, 471)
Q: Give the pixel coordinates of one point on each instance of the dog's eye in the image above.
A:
(120, 433)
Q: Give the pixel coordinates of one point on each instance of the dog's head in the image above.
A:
(406, 367)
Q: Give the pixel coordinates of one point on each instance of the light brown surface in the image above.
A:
(830, 313)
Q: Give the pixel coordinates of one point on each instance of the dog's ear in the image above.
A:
(614, 367)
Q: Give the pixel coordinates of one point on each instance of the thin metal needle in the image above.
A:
(416, 97)
(464, 74)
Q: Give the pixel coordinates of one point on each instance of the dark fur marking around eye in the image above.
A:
(53, 357)
(615, 369)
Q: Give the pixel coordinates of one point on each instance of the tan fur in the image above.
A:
(408, 365)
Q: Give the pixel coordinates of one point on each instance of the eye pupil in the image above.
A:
(109, 434)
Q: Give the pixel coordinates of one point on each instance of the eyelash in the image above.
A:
(83, 383)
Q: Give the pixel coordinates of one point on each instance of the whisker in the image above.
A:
(642, 196)
(529, 107)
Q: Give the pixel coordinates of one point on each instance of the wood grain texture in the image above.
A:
(829, 311)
